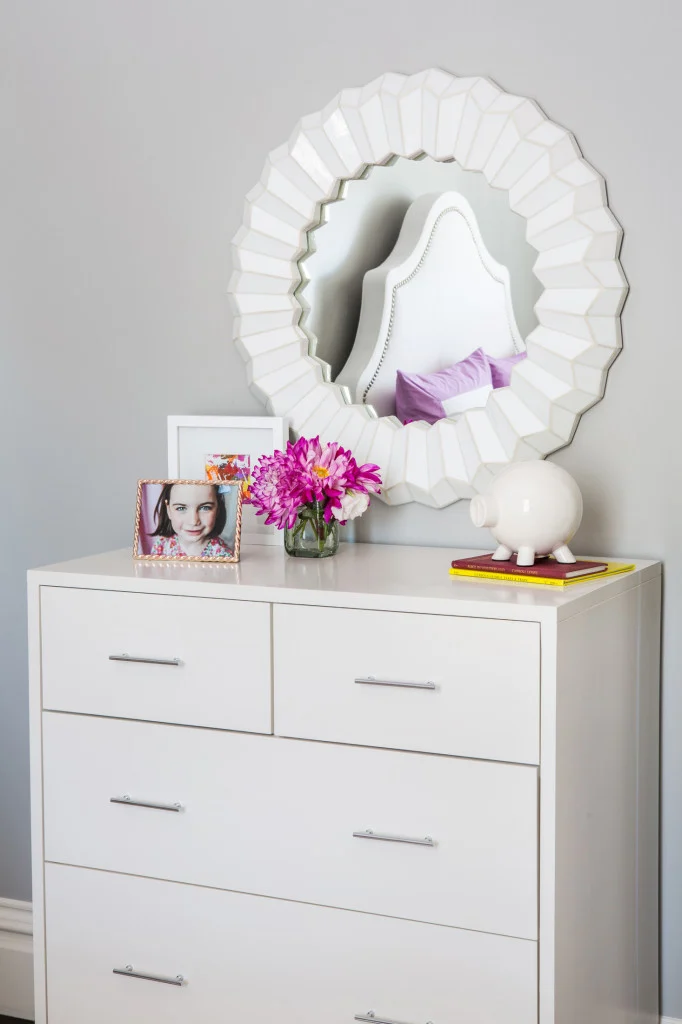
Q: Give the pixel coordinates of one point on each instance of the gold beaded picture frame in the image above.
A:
(188, 521)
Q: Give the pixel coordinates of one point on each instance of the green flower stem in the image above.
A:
(314, 514)
(311, 532)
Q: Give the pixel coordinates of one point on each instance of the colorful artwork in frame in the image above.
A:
(233, 468)
(192, 438)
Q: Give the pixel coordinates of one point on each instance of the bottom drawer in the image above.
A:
(265, 960)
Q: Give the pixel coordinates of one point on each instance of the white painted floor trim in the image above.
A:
(671, 1020)
(16, 959)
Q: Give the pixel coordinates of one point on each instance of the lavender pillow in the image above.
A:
(431, 396)
(500, 369)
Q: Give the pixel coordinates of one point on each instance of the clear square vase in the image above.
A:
(311, 536)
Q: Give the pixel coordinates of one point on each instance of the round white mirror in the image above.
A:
(436, 176)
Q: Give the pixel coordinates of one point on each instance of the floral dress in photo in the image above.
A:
(169, 547)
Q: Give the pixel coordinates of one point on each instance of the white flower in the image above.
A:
(353, 504)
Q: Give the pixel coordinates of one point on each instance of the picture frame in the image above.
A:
(191, 439)
(188, 520)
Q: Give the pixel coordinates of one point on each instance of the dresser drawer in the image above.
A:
(245, 958)
(277, 817)
(201, 661)
(478, 692)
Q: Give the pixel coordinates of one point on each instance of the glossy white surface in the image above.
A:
(271, 822)
(242, 796)
(381, 576)
(437, 297)
(81, 630)
(486, 677)
(531, 508)
(246, 958)
(563, 199)
(599, 796)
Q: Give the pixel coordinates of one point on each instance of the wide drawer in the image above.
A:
(350, 676)
(201, 661)
(232, 957)
(277, 817)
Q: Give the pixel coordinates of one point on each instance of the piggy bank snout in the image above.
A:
(484, 510)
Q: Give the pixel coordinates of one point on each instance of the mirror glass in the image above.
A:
(359, 231)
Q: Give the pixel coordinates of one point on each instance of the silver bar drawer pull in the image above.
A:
(373, 1019)
(155, 805)
(371, 681)
(129, 972)
(388, 838)
(145, 661)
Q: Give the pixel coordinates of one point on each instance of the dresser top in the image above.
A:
(375, 576)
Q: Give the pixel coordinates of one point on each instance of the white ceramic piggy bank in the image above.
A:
(532, 508)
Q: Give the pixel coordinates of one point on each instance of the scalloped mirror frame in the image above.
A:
(562, 198)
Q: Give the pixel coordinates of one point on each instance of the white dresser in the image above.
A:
(357, 789)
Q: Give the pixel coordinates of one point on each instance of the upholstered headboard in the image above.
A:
(438, 296)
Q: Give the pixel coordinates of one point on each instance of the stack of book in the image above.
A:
(545, 570)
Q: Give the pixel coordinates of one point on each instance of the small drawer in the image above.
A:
(447, 685)
(187, 953)
(438, 839)
(194, 661)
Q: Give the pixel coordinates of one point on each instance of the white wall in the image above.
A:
(131, 130)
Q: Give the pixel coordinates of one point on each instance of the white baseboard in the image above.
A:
(670, 1020)
(16, 959)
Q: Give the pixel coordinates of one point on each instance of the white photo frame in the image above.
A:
(192, 438)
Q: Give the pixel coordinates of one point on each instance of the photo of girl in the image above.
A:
(188, 520)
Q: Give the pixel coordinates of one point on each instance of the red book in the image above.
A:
(547, 568)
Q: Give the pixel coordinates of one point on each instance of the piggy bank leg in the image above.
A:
(526, 556)
(563, 554)
(502, 553)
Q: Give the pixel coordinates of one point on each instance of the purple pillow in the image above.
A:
(431, 396)
(500, 369)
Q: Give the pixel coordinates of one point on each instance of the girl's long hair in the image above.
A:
(164, 527)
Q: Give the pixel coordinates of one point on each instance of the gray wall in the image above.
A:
(131, 130)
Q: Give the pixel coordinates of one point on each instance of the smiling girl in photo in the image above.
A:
(189, 520)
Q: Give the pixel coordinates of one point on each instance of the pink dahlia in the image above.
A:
(310, 473)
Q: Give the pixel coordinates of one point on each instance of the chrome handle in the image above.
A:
(387, 837)
(145, 661)
(370, 1016)
(155, 805)
(370, 680)
(129, 972)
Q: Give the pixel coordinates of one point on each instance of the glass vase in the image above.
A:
(311, 536)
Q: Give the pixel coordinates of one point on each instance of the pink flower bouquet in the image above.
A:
(309, 489)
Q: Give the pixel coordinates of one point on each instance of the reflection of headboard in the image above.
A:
(438, 296)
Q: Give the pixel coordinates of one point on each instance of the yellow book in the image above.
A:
(612, 569)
